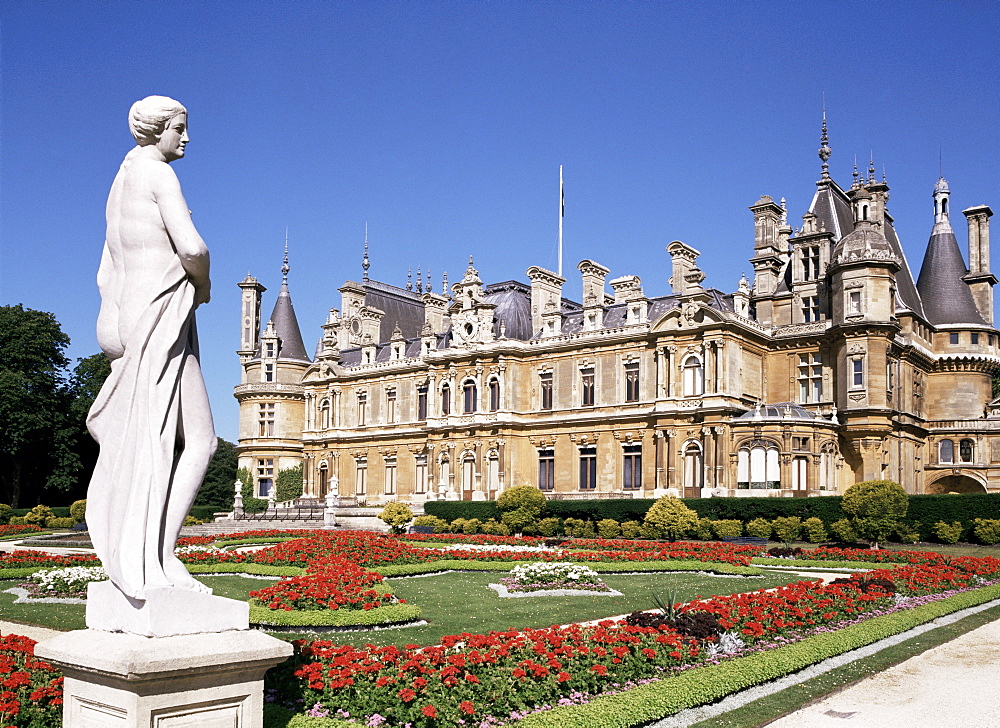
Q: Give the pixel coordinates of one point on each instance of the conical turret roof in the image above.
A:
(287, 328)
(946, 297)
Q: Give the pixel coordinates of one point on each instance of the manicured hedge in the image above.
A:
(610, 567)
(924, 510)
(389, 614)
(205, 513)
(59, 511)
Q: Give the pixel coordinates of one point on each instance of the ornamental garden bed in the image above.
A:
(526, 671)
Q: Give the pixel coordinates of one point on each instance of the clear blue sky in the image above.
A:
(443, 125)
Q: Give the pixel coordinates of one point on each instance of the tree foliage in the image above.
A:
(217, 489)
(289, 484)
(520, 506)
(250, 503)
(396, 515)
(671, 517)
(876, 508)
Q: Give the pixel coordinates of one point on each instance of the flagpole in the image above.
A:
(562, 211)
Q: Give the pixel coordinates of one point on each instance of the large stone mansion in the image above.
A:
(834, 366)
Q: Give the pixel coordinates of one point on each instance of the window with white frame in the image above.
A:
(265, 419)
(810, 262)
(362, 409)
(390, 476)
(546, 469)
(854, 302)
(265, 477)
(694, 470)
(361, 476)
(632, 467)
(693, 376)
(857, 371)
(632, 381)
(324, 414)
(588, 468)
(587, 387)
(757, 466)
(800, 468)
(390, 405)
(420, 474)
(810, 378)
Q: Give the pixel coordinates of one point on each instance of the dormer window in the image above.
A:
(269, 350)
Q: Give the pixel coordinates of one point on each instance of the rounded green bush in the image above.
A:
(631, 530)
(948, 532)
(759, 527)
(494, 528)
(787, 528)
(609, 528)
(727, 528)
(672, 517)
(875, 507)
(843, 531)
(78, 510)
(39, 515)
(396, 515)
(549, 527)
(814, 530)
(986, 530)
(57, 522)
(522, 497)
(5, 513)
(438, 524)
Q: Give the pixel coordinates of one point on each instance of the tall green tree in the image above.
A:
(36, 434)
(217, 489)
(86, 381)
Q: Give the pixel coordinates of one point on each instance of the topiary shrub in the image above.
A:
(703, 529)
(5, 513)
(727, 528)
(876, 508)
(609, 528)
(549, 527)
(520, 506)
(18, 521)
(438, 524)
(649, 531)
(759, 527)
(457, 526)
(843, 531)
(57, 522)
(495, 528)
(670, 516)
(78, 511)
(814, 530)
(907, 533)
(39, 515)
(787, 528)
(188, 521)
(471, 526)
(986, 530)
(578, 528)
(631, 530)
(396, 515)
(948, 532)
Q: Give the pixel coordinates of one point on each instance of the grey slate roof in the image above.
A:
(290, 344)
(402, 308)
(513, 306)
(778, 411)
(947, 298)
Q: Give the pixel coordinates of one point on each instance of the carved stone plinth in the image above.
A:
(116, 680)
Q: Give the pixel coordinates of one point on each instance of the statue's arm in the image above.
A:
(191, 249)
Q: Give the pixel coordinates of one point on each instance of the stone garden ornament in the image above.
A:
(152, 417)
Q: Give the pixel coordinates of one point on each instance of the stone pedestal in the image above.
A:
(116, 680)
(165, 612)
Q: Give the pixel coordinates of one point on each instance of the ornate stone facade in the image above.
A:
(833, 367)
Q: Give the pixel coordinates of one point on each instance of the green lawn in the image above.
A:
(462, 602)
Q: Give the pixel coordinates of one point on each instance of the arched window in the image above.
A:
(323, 480)
(827, 468)
(693, 462)
(966, 450)
(445, 399)
(492, 474)
(444, 470)
(944, 206)
(469, 395)
(494, 394)
(757, 466)
(468, 475)
(946, 451)
(694, 376)
(324, 414)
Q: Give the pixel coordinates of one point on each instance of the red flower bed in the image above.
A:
(8, 530)
(878, 556)
(36, 559)
(333, 583)
(31, 692)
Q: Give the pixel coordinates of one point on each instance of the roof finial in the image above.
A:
(420, 279)
(409, 278)
(883, 174)
(444, 285)
(824, 150)
(284, 266)
(428, 288)
(784, 212)
(871, 167)
(365, 263)
(855, 173)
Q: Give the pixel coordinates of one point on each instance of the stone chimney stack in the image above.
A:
(980, 280)
(684, 259)
(250, 320)
(546, 301)
(593, 294)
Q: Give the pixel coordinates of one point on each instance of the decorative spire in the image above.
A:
(444, 285)
(784, 212)
(365, 263)
(871, 167)
(855, 174)
(428, 288)
(420, 279)
(409, 278)
(883, 174)
(824, 150)
(284, 266)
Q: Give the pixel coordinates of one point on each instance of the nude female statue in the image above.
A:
(152, 417)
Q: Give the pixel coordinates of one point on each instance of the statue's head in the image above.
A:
(148, 118)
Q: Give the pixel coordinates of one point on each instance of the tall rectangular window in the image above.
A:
(632, 382)
(265, 477)
(390, 476)
(469, 396)
(420, 475)
(362, 409)
(445, 399)
(494, 394)
(588, 468)
(265, 419)
(269, 372)
(390, 406)
(810, 378)
(361, 476)
(810, 263)
(857, 372)
(587, 387)
(810, 309)
(853, 302)
(632, 467)
(422, 402)
(545, 385)
(546, 470)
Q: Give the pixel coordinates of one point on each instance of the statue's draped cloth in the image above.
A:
(134, 419)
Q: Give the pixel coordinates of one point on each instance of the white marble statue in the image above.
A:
(152, 417)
